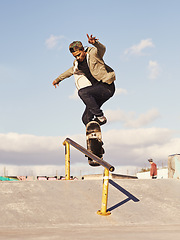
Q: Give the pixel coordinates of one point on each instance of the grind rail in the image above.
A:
(107, 167)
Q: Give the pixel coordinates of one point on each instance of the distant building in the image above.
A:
(174, 166)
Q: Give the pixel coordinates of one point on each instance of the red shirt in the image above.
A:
(153, 171)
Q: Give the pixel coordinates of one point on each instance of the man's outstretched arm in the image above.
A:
(61, 77)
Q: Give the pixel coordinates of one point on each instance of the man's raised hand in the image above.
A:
(91, 39)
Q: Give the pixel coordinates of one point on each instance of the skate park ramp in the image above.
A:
(140, 209)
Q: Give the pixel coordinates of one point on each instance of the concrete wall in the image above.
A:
(161, 173)
(174, 166)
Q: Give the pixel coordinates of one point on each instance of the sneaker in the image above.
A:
(93, 163)
(101, 120)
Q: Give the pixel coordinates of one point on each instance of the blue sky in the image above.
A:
(142, 46)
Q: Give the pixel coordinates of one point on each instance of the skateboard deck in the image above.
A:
(94, 141)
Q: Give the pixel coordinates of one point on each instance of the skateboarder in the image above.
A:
(93, 78)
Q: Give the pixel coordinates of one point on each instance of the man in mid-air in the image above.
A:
(93, 78)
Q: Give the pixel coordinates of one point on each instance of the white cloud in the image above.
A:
(154, 69)
(137, 49)
(143, 119)
(25, 143)
(137, 138)
(135, 146)
(129, 119)
(74, 96)
(117, 115)
(54, 41)
(120, 91)
(45, 155)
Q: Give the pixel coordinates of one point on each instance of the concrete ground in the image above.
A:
(140, 209)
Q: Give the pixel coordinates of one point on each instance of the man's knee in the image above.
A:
(83, 93)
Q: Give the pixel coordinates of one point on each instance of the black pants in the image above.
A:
(94, 97)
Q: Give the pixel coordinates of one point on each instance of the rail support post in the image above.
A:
(103, 211)
(67, 160)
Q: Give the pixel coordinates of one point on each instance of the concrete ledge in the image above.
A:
(111, 176)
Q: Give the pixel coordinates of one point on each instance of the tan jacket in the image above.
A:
(98, 68)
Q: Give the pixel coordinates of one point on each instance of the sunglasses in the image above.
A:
(78, 55)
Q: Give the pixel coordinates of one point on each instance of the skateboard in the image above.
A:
(94, 141)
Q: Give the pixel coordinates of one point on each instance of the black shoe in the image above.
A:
(93, 163)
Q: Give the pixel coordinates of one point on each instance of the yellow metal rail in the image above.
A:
(103, 210)
(107, 167)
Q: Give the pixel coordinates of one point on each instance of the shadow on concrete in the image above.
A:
(125, 192)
